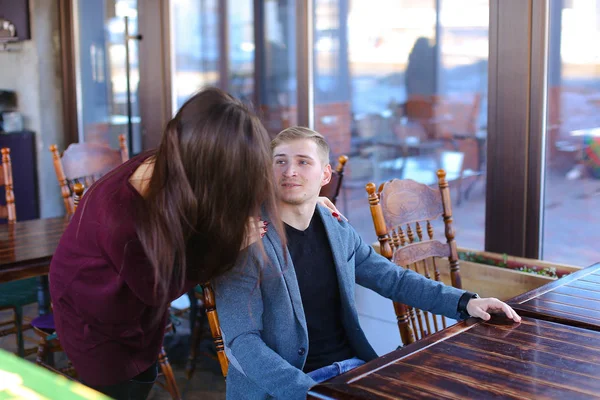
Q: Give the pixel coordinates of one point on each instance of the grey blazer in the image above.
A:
(263, 322)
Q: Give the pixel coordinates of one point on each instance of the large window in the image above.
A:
(194, 47)
(572, 187)
(401, 87)
(106, 78)
(198, 43)
(241, 49)
(278, 88)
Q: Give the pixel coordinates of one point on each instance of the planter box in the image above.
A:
(500, 282)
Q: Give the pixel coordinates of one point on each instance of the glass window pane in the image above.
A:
(572, 187)
(401, 88)
(102, 70)
(194, 47)
(241, 49)
(278, 88)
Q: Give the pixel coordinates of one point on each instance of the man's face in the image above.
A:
(299, 171)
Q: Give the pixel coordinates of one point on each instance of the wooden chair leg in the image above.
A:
(406, 332)
(167, 371)
(215, 327)
(194, 343)
(41, 353)
(193, 310)
(69, 370)
(19, 325)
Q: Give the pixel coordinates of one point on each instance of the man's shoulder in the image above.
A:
(333, 225)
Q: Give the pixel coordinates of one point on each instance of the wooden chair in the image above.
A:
(85, 163)
(49, 343)
(206, 297)
(17, 294)
(332, 189)
(422, 111)
(8, 211)
(169, 384)
(396, 206)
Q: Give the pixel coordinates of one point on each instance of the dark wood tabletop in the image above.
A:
(533, 359)
(572, 300)
(26, 247)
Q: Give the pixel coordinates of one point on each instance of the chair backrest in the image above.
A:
(85, 163)
(458, 115)
(332, 189)
(78, 190)
(422, 110)
(9, 210)
(401, 209)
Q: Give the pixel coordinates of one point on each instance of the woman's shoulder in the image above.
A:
(112, 200)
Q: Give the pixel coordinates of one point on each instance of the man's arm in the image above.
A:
(405, 286)
(377, 273)
(240, 307)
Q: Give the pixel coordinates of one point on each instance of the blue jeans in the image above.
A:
(335, 369)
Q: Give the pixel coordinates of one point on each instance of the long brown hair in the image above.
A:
(212, 171)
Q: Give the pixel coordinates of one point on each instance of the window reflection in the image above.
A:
(278, 88)
(572, 189)
(241, 49)
(194, 47)
(102, 78)
(401, 87)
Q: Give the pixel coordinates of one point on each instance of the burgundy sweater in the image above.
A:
(102, 285)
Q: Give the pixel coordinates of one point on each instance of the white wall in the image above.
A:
(33, 71)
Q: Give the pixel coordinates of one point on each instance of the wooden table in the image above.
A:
(478, 360)
(21, 379)
(572, 300)
(26, 249)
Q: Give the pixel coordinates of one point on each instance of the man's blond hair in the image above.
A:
(299, 132)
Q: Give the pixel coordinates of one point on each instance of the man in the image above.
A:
(290, 321)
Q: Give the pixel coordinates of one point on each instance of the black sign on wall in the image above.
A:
(16, 12)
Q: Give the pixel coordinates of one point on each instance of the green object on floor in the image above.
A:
(21, 379)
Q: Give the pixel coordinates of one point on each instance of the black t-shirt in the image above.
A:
(319, 289)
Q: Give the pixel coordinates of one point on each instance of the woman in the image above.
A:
(151, 229)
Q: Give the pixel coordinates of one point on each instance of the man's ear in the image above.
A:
(326, 175)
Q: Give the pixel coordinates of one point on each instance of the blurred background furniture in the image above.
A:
(332, 189)
(17, 294)
(23, 152)
(85, 163)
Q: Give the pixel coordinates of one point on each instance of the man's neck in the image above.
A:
(297, 216)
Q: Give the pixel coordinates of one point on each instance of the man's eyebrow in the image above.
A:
(297, 155)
